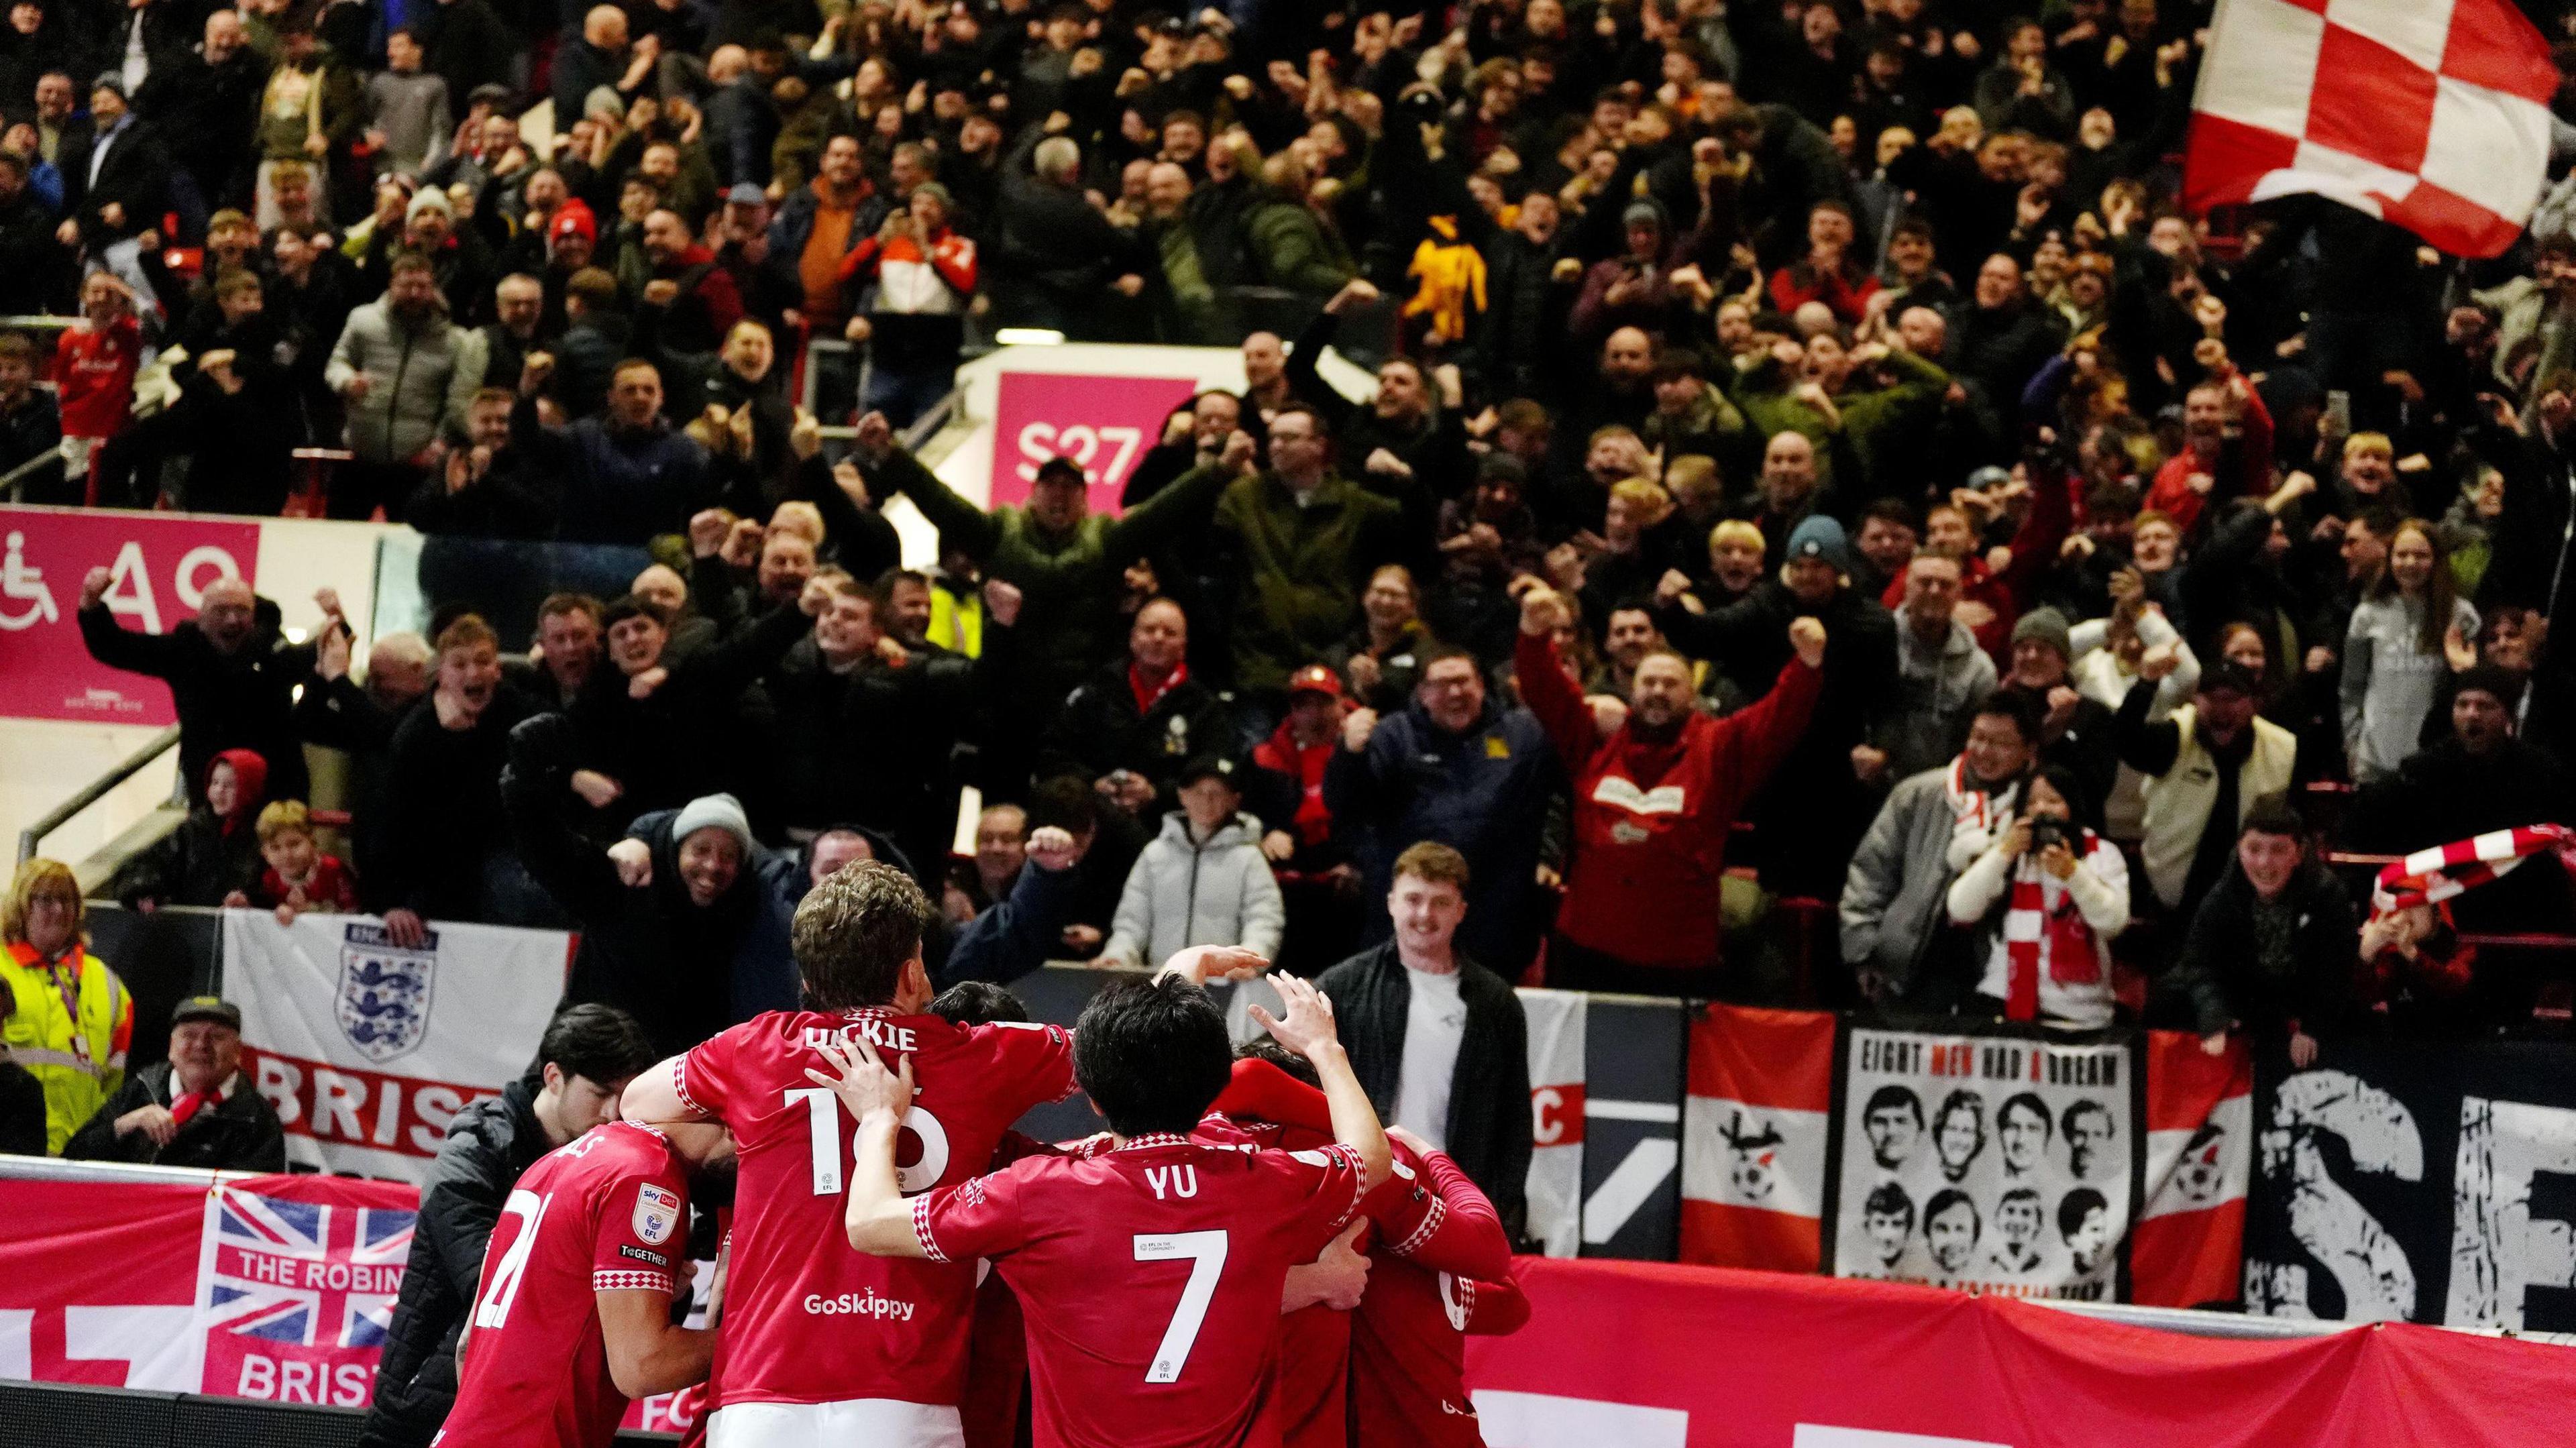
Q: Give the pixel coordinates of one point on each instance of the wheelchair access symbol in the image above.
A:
(20, 584)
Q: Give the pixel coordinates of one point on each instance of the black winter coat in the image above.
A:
(488, 1147)
(1489, 1121)
(239, 1133)
(241, 700)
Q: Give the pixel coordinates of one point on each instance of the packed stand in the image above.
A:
(1827, 526)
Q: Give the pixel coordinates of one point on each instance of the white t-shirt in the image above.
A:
(1435, 1022)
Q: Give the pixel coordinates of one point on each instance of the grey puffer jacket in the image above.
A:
(1183, 893)
(420, 378)
(1896, 896)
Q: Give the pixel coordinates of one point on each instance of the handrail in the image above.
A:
(15, 482)
(924, 427)
(92, 792)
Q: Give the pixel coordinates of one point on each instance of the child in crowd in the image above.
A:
(299, 876)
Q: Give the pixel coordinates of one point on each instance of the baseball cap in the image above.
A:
(1315, 679)
(207, 1008)
(1208, 766)
(2225, 674)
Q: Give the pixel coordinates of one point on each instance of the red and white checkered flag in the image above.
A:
(2433, 114)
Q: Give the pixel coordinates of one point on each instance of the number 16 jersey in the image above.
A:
(807, 1319)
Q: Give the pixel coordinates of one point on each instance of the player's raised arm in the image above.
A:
(653, 1097)
(1307, 1029)
(878, 1220)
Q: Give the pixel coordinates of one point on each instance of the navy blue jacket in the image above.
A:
(1483, 792)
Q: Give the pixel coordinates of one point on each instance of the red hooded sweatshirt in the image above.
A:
(1651, 816)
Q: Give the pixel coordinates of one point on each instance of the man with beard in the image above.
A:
(1641, 903)
(406, 371)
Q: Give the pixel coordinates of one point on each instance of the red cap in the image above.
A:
(1315, 679)
(572, 216)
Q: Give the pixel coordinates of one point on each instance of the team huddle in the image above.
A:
(1245, 1257)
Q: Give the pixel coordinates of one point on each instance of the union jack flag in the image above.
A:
(306, 1273)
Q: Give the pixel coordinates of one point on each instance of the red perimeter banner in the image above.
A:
(1768, 1360)
(270, 1287)
(162, 564)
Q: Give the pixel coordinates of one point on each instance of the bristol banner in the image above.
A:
(1645, 1355)
(1105, 424)
(2429, 1182)
(2108, 1167)
(161, 564)
(278, 1288)
(368, 1048)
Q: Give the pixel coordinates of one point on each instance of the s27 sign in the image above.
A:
(1104, 424)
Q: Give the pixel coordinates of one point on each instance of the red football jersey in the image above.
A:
(1150, 1278)
(606, 1213)
(1408, 1343)
(1411, 1219)
(806, 1319)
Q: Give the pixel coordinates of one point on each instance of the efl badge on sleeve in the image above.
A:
(657, 1213)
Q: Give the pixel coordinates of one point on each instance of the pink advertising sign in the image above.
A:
(1107, 424)
(162, 564)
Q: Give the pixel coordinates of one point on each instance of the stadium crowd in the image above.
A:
(1827, 523)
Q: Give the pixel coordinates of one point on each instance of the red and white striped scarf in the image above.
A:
(2446, 870)
(1983, 809)
(2073, 958)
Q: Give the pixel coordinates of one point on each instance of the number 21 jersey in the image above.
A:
(806, 1318)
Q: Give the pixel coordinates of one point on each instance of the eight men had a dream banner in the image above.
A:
(2427, 1182)
(1999, 1163)
(2109, 1166)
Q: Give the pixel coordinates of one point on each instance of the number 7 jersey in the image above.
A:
(1149, 1277)
(806, 1318)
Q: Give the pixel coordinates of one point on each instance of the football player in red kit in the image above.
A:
(1435, 1250)
(584, 1258)
(820, 1345)
(1150, 1274)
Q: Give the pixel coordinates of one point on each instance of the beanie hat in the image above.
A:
(1818, 536)
(1644, 211)
(430, 198)
(573, 216)
(2490, 679)
(713, 812)
(2227, 675)
(2049, 627)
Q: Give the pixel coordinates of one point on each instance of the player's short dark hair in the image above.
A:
(1948, 1197)
(1314, 419)
(1889, 1098)
(2022, 1194)
(1152, 1055)
(598, 1042)
(2081, 1107)
(2027, 1101)
(1888, 1199)
(854, 933)
(978, 1003)
(1895, 510)
(1280, 1056)
(2075, 1206)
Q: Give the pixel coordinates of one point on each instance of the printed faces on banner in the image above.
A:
(1105, 424)
(161, 566)
(1990, 1162)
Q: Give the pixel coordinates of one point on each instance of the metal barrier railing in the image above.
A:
(96, 790)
